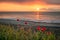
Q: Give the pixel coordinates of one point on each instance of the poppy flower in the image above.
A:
(38, 28)
(17, 19)
(25, 23)
(48, 33)
(43, 29)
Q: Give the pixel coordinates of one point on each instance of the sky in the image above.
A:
(29, 5)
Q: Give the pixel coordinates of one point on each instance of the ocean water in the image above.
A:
(35, 16)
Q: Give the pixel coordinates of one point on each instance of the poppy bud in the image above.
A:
(17, 19)
(25, 22)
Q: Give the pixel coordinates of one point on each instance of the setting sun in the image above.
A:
(37, 9)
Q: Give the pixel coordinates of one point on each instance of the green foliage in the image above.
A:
(8, 32)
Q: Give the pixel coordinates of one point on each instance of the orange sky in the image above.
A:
(27, 6)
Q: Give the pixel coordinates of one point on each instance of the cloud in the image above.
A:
(52, 2)
(56, 2)
(16, 0)
(50, 9)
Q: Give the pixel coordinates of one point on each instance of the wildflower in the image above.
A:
(43, 29)
(17, 19)
(48, 33)
(38, 28)
(25, 22)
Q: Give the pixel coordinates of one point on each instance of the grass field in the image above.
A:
(8, 32)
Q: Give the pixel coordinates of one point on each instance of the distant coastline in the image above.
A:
(27, 11)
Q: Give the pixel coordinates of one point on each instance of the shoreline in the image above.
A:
(30, 23)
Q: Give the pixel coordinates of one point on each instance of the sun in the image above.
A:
(37, 9)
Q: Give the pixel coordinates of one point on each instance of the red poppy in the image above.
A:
(17, 19)
(25, 22)
(38, 28)
(43, 29)
(48, 33)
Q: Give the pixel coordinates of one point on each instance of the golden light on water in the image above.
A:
(37, 16)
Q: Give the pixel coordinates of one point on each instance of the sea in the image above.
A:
(49, 17)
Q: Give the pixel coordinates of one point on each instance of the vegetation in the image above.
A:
(8, 32)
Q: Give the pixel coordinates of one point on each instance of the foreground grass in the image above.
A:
(8, 32)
